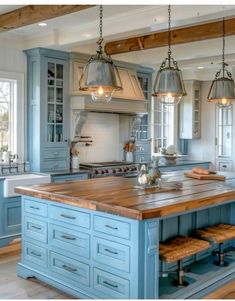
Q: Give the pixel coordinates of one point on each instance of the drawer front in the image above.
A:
(112, 227)
(225, 166)
(112, 286)
(70, 216)
(35, 207)
(65, 178)
(48, 165)
(112, 254)
(66, 239)
(143, 147)
(142, 158)
(54, 153)
(35, 229)
(70, 270)
(35, 254)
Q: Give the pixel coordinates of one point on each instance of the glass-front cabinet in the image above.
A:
(48, 121)
(55, 102)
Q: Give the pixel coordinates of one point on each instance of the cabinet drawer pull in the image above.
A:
(110, 284)
(68, 237)
(36, 227)
(68, 216)
(112, 252)
(111, 227)
(33, 207)
(56, 154)
(224, 166)
(36, 254)
(69, 269)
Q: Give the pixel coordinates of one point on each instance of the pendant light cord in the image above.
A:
(169, 34)
(100, 41)
(223, 63)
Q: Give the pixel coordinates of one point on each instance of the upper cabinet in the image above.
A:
(48, 102)
(190, 111)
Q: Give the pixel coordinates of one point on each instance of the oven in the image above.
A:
(114, 168)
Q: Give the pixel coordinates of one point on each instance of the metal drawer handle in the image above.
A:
(69, 269)
(110, 227)
(56, 164)
(68, 216)
(224, 166)
(33, 207)
(68, 237)
(56, 154)
(35, 227)
(36, 254)
(110, 284)
(112, 252)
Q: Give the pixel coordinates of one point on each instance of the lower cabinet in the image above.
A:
(91, 253)
(69, 177)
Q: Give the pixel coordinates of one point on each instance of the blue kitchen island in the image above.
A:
(99, 238)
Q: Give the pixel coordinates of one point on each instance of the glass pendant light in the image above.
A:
(222, 90)
(100, 76)
(169, 85)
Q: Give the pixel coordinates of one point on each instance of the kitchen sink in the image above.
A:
(10, 182)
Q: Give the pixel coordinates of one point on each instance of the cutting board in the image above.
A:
(204, 177)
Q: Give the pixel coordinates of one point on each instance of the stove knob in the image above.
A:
(124, 169)
(119, 169)
(102, 171)
(127, 168)
(106, 171)
(96, 171)
(114, 171)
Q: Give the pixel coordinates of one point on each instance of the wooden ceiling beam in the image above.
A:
(31, 14)
(178, 36)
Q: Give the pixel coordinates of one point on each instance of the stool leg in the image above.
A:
(180, 274)
(221, 262)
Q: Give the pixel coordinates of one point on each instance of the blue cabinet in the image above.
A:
(69, 177)
(47, 109)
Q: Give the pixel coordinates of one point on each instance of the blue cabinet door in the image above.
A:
(11, 215)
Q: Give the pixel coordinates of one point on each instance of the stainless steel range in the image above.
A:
(114, 168)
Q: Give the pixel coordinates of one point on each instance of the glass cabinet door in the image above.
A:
(55, 102)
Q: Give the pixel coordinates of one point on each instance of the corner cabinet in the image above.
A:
(190, 111)
(48, 109)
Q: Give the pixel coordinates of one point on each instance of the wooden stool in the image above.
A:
(217, 234)
(178, 248)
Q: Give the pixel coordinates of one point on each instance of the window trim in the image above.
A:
(20, 112)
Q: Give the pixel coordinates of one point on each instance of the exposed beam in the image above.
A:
(178, 36)
(31, 14)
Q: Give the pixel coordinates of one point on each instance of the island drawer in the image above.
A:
(35, 254)
(112, 286)
(70, 270)
(70, 216)
(35, 207)
(112, 227)
(76, 242)
(35, 229)
(112, 254)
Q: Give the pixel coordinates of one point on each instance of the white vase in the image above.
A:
(75, 162)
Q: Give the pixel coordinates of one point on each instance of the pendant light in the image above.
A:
(169, 86)
(100, 76)
(222, 90)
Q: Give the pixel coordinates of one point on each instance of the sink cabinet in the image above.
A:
(48, 109)
(10, 217)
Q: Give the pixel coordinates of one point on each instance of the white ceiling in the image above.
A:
(79, 31)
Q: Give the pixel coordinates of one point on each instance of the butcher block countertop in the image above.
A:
(120, 196)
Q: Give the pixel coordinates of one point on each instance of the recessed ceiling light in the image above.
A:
(42, 24)
(200, 67)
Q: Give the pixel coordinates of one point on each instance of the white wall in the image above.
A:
(104, 129)
(204, 148)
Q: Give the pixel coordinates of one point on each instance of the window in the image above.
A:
(224, 131)
(163, 125)
(11, 114)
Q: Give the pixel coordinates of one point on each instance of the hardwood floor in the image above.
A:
(13, 287)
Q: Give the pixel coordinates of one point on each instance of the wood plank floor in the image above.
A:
(13, 287)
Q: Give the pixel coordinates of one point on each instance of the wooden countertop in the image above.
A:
(117, 195)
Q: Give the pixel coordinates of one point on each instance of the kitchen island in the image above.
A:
(99, 238)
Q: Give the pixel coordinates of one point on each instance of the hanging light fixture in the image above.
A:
(222, 90)
(100, 76)
(169, 86)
